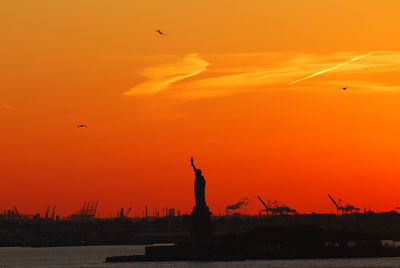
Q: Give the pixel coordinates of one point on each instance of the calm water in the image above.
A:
(94, 256)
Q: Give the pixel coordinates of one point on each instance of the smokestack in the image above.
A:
(239, 204)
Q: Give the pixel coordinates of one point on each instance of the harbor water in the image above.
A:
(94, 256)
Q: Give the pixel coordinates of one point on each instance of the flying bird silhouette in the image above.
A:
(345, 88)
(159, 32)
(79, 126)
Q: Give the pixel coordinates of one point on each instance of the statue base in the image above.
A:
(201, 224)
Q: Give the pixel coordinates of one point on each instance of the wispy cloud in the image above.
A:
(264, 72)
(162, 76)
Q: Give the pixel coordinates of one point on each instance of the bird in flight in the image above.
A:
(345, 88)
(79, 126)
(159, 32)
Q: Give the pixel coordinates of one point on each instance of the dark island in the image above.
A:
(278, 241)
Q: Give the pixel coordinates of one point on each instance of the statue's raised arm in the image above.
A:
(191, 161)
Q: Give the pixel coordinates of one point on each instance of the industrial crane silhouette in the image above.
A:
(276, 208)
(48, 214)
(87, 212)
(122, 214)
(53, 213)
(128, 212)
(343, 206)
(280, 208)
(267, 207)
(17, 212)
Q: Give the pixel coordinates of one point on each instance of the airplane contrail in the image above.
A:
(329, 69)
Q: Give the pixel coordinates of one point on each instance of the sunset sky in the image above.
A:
(251, 89)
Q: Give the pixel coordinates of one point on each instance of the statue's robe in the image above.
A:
(199, 191)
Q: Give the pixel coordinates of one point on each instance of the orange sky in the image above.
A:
(251, 89)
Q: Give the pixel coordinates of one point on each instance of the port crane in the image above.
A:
(49, 214)
(46, 215)
(53, 212)
(276, 208)
(122, 214)
(343, 206)
(267, 207)
(338, 208)
(128, 212)
(88, 211)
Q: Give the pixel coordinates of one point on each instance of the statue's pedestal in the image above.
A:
(201, 224)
